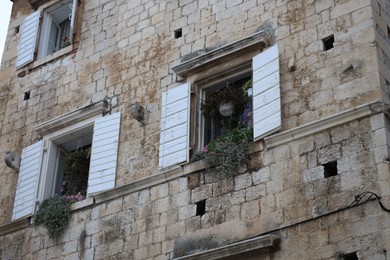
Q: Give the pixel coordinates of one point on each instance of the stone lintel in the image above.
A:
(214, 57)
(326, 123)
(261, 244)
(71, 118)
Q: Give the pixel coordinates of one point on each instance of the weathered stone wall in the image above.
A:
(381, 16)
(288, 196)
(126, 50)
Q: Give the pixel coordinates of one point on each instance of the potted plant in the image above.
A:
(76, 169)
(225, 106)
(54, 214)
(227, 152)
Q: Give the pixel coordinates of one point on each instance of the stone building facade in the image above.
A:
(297, 198)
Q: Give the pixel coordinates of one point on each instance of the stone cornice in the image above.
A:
(71, 118)
(213, 57)
(149, 181)
(14, 226)
(325, 123)
(267, 243)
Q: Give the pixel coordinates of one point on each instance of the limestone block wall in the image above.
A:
(381, 16)
(126, 51)
(288, 196)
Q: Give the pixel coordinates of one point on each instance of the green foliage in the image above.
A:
(54, 214)
(227, 152)
(210, 107)
(76, 171)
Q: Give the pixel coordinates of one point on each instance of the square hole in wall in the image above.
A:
(26, 95)
(388, 31)
(328, 42)
(200, 208)
(16, 30)
(330, 169)
(350, 256)
(178, 33)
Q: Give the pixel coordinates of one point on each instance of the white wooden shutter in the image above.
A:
(26, 189)
(73, 20)
(174, 131)
(28, 39)
(102, 169)
(266, 93)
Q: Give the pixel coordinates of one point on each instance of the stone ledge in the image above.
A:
(214, 57)
(71, 118)
(14, 226)
(326, 123)
(148, 182)
(263, 244)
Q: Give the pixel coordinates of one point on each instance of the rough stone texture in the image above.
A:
(125, 51)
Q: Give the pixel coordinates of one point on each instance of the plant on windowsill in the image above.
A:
(227, 152)
(65, 42)
(54, 214)
(230, 95)
(76, 169)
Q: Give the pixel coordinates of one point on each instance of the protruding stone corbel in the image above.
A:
(12, 160)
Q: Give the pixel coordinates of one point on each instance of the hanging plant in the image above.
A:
(54, 214)
(76, 169)
(227, 152)
(231, 95)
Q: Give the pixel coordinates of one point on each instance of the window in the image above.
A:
(231, 66)
(56, 28)
(224, 104)
(68, 158)
(43, 37)
(89, 138)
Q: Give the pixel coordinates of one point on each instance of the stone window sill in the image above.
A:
(54, 56)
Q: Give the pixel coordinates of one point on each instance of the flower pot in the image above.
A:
(226, 108)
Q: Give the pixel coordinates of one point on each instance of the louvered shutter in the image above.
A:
(73, 20)
(104, 153)
(26, 189)
(266, 93)
(174, 131)
(28, 39)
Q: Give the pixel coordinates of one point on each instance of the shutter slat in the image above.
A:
(174, 135)
(266, 93)
(28, 39)
(102, 169)
(27, 185)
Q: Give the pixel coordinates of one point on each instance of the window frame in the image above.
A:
(201, 86)
(47, 181)
(205, 67)
(36, 49)
(36, 182)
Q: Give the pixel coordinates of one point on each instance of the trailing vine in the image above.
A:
(54, 214)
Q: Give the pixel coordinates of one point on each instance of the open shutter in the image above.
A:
(28, 39)
(26, 189)
(266, 93)
(174, 131)
(104, 153)
(73, 20)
